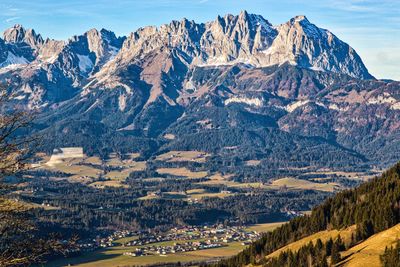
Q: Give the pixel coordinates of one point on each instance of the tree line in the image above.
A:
(373, 206)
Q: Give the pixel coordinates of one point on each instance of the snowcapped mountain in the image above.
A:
(237, 81)
(44, 72)
(248, 39)
(99, 58)
(20, 36)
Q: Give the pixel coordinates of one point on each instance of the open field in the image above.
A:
(74, 167)
(126, 239)
(133, 155)
(115, 161)
(196, 191)
(169, 136)
(93, 160)
(182, 172)
(253, 162)
(148, 197)
(124, 173)
(349, 175)
(87, 170)
(233, 184)
(177, 156)
(217, 179)
(111, 183)
(114, 256)
(201, 193)
(190, 194)
(264, 227)
(233, 249)
(249, 185)
(293, 183)
(367, 253)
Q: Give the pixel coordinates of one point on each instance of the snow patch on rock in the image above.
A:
(335, 106)
(13, 61)
(382, 99)
(20, 97)
(122, 102)
(85, 63)
(190, 86)
(293, 106)
(396, 106)
(113, 51)
(249, 101)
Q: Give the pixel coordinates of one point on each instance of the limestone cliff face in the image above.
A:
(48, 71)
(250, 39)
(19, 34)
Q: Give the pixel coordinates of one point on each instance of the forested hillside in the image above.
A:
(372, 207)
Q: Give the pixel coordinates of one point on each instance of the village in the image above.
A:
(175, 248)
(177, 239)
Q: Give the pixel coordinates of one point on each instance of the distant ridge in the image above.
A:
(245, 38)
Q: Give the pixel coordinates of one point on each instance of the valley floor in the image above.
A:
(114, 256)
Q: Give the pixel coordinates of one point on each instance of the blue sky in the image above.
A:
(372, 27)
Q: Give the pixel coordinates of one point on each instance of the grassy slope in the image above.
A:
(363, 254)
(367, 253)
(323, 235)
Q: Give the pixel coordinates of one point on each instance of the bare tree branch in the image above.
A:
(19, 243)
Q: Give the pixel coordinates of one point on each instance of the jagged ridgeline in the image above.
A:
(371, 208)
(251, 89)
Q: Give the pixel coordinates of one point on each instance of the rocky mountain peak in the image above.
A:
(18, 34)
(245, 38)
(302, 25)
(90, 51)
(243, 14)
(105, 36)
(302, 43)
(245, 21)
(180, 46)
(299, 19)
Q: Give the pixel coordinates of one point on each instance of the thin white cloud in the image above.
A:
(203, 1)
(12, 19)
(363, 6)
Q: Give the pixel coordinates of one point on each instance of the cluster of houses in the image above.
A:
(219, 232)
(105, 242)
(181, 239)
(172, 249)
(206, 238)
(292, 213)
